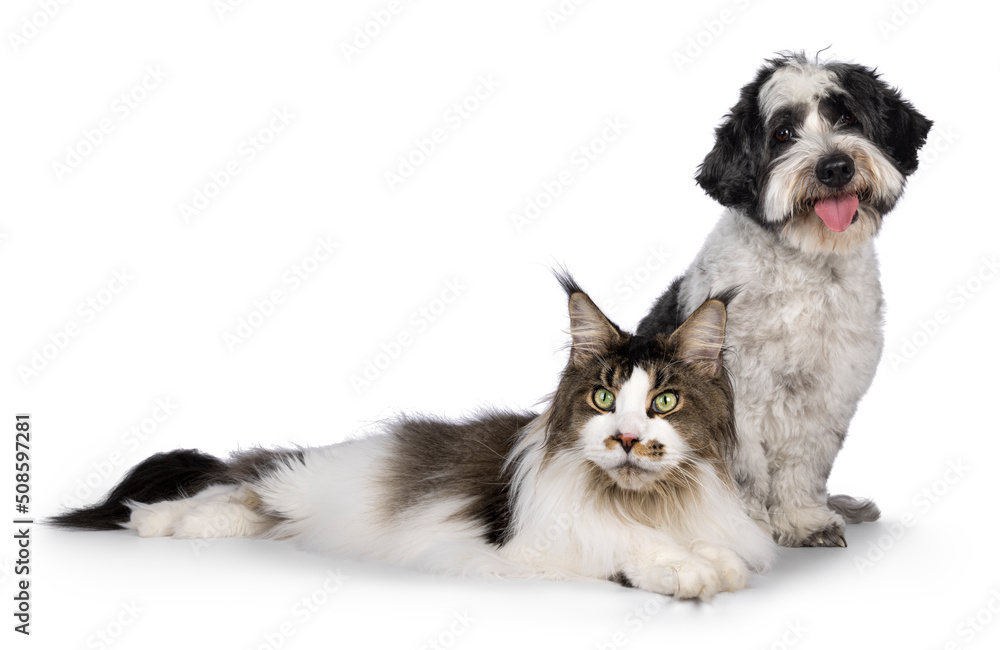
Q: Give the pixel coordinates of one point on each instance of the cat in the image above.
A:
(623, 476)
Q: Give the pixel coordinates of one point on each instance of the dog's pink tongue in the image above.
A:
(837, 213)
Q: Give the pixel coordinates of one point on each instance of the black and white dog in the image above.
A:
(807, 163)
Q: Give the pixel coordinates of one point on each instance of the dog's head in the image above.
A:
(819, 152)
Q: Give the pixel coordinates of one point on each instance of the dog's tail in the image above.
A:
(854, 511)
(162, 477)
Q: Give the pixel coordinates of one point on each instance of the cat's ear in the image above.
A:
(699, 339)
(593, 334)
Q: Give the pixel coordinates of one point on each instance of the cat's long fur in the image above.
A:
(501, 493)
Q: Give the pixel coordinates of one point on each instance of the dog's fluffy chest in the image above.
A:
(805, 330)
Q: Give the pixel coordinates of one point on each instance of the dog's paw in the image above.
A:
(815, 526)
(832, 535)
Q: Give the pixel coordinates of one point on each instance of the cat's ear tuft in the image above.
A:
(700, 338)
(593, 334)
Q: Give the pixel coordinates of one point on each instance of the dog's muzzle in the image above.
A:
(835, 171)
(837, 211)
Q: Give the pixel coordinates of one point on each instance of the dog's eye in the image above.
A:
(847, 118)
(783, 134)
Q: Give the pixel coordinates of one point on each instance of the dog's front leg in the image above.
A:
(750, 470)
(798, 499)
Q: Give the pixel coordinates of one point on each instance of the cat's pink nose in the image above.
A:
(627, 439)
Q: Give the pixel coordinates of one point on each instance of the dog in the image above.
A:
(807, 163)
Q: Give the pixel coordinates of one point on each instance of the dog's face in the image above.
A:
(819, 152)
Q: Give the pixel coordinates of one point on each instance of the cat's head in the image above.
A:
(643, 411)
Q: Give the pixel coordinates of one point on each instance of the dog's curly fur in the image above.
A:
(805, 333)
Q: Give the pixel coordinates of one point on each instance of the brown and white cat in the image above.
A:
(624, 475)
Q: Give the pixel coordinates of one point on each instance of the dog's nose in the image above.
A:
(835, 171)
(627, 440)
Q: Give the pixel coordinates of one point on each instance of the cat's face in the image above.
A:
(644, 411)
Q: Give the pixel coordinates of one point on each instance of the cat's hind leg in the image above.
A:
(216, 511)
(155, 519)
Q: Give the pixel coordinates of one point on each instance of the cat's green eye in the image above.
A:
(665, 402)
(604, 399)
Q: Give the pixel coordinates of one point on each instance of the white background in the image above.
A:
(63, 237)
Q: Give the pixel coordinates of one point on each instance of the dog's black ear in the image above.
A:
(908, 130)
(893, 123)
(729, 173)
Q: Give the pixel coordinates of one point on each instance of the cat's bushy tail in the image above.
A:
(854, 511)
(161, 477)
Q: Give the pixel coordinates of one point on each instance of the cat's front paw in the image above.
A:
(730, 566)
(813, 526)
(694, 577)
